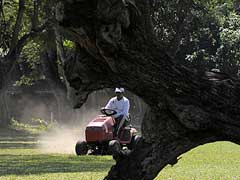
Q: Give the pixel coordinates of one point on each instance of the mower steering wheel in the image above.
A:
(108, 112)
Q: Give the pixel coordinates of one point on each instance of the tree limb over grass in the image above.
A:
(117, 48)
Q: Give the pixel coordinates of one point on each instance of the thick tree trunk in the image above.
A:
(4, 111)
(52, 70)
(8, 62)
(18, 25)
(116, 47)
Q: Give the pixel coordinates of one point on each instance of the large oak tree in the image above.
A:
(14, 37)
(116, 46)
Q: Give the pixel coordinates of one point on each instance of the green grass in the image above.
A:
(215, 161)
(21, 160)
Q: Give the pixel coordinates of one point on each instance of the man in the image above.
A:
(121, 105)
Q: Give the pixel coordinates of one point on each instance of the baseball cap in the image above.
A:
(120, 90)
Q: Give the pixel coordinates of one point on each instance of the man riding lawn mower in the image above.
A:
(110, 132)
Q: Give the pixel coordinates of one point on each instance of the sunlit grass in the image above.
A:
(21, 160)
(215, 161)
(31, 164)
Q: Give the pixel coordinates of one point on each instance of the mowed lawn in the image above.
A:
(21, 160)
(214, 161)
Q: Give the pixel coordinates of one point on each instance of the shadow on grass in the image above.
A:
(36, 164)
(19, 156)
(10, 143)
(14, 136)
(18, 145)
(19, 138)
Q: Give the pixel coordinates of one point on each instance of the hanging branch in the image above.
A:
(3, 25)
(35, 20)
(1, 9)
(18, 25)
(17, 44)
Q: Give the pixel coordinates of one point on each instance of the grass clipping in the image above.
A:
(60, 140)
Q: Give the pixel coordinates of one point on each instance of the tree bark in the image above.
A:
(18, 25)
(9, 61)
(116, 46)
(4, 112)
(51, 71)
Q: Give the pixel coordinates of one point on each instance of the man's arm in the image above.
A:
(109, 104)
(126, 108)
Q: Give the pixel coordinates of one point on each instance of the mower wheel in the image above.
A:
(134, 141)
(114, 147)
(81, 148)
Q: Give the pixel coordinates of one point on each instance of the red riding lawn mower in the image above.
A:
(101, 138)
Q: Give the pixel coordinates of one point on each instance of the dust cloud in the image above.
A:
(71, 123)
(62, 139)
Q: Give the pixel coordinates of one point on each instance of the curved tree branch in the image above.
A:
(12, 57)
(115, 46)
(18, 25)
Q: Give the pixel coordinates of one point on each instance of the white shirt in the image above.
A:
(120, 106)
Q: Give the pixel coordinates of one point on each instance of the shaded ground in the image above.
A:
(16, 139)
